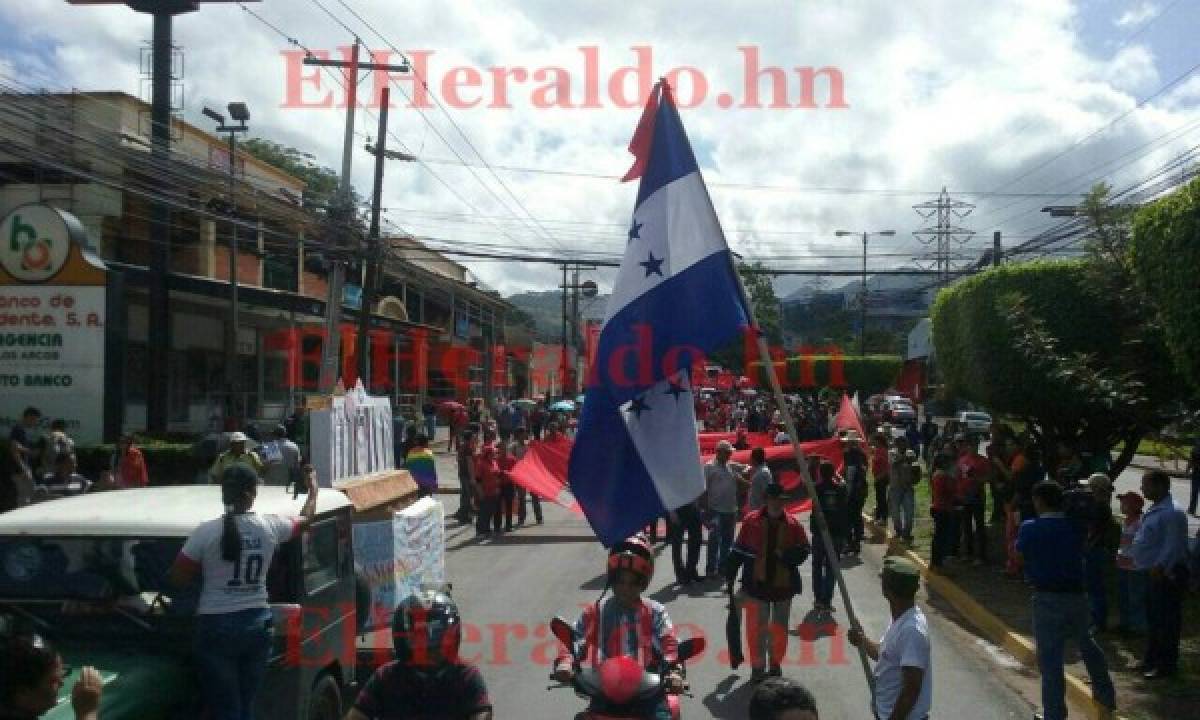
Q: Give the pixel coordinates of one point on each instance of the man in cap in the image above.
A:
(281, 457)
(1100, 548)
(903, 660)
(1051, 551)
(720, 500)
(235, 455)
(770, 546)
(854, 469)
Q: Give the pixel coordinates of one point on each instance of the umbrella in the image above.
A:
(525, 403)
(563, 406)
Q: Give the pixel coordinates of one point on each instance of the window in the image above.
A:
(321, 561)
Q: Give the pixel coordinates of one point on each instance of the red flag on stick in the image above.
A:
(543, 472)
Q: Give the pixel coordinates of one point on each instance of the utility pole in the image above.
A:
(863, 294)
(562, 378)
(371, 267)
(237, 111)
(997, 250)
(575, 335)
(344, 214)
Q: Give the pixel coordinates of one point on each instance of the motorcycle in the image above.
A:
(620, 684)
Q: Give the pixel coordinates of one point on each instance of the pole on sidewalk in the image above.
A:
(330, 348)
(371, 263)
(764, 354)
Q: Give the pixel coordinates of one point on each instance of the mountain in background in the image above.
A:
(545, 310)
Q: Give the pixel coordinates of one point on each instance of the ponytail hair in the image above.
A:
(238, 484)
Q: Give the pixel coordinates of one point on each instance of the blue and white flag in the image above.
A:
(675, 299)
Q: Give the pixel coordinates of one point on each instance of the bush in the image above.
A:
(1165, 253)
(166, 463)
(1037, 341)
(869, 374)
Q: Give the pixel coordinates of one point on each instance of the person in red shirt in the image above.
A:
(128, 464)
(942, 508)
(487, 486)
(973, 471)
(770, 547)
(505, 462)
(881, 470)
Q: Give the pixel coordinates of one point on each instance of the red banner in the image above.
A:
(543, 472)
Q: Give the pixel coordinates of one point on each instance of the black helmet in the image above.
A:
(426, 629)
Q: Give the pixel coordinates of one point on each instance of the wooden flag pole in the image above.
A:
(785, 413)
(818, 513)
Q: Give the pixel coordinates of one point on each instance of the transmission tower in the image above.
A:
(946, 211)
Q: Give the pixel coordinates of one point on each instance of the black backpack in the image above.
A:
(1079, 505)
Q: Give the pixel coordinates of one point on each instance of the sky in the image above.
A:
(1011, 106)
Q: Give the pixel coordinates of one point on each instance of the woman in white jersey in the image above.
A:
(231, 554)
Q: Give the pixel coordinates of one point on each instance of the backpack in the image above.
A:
(1079, 505)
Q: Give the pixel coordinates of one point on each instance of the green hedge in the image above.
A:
(167, 463)
(868, 374)
(1165, 252)
(976, 346)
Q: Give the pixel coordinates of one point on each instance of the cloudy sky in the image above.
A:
(999, 102)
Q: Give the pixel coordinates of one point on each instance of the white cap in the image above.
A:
(237, 437)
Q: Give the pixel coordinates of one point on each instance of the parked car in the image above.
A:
(90, 573)
(975, 423)
(899, 411)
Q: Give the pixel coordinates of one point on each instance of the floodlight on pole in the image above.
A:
(238, 111)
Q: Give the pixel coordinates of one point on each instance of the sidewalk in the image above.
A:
(999, 609)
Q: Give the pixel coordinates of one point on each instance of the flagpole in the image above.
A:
(780, 401)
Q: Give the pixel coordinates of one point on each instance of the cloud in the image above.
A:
(1136, 15)
(983, 99)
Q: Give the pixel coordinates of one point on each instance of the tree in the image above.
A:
(763, 300)
(1164, 253)
(1049, 342)
(340, 222)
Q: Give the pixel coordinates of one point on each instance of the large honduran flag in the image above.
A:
(676, 297)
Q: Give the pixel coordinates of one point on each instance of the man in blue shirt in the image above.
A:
(1051, 547)
(1160, 548)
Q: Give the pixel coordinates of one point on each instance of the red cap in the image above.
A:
(1136, 499)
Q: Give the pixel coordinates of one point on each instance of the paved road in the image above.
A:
(509, 588)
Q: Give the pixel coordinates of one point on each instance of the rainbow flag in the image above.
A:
(420, 465)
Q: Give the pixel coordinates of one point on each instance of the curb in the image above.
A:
(992, 627)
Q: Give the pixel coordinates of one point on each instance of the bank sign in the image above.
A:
(52, 321)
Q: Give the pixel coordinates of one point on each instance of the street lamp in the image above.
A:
(239, 112)
(862, 321)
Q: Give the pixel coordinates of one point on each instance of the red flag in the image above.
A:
(847, 418)
(640, 144)
(543, 472)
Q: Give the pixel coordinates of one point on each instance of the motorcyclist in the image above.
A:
(427, 679)
(628, 625)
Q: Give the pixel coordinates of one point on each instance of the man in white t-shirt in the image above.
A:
(281, 457)
(903, 660)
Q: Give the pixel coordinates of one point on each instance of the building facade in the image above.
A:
(433, 334)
